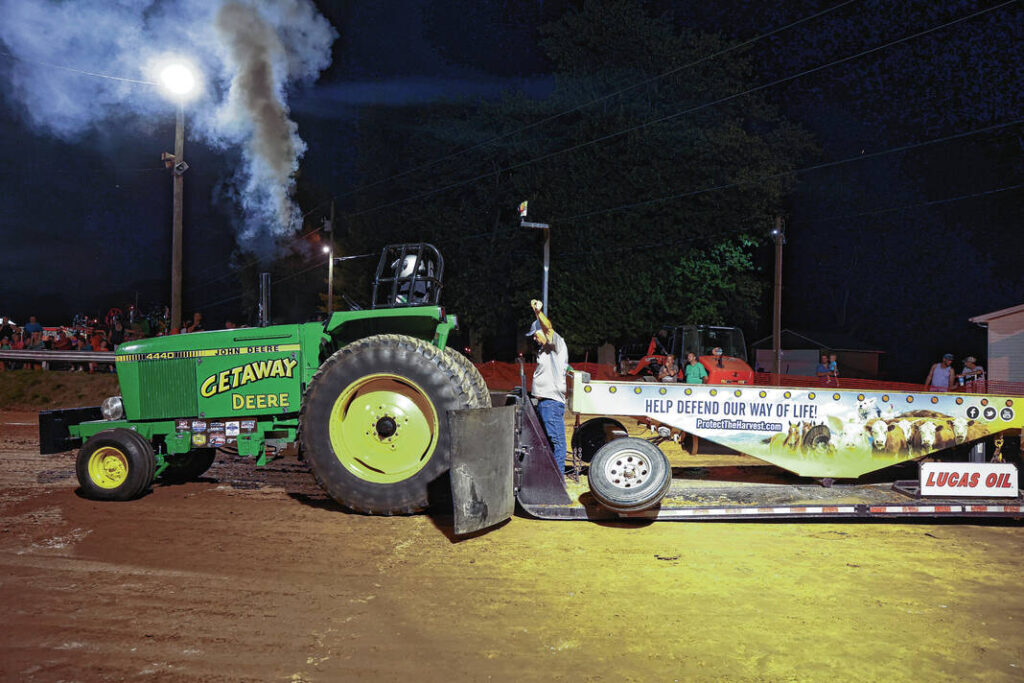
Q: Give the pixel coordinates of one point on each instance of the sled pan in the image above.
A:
(483, 443)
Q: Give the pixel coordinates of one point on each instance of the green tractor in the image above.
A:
(365, 395)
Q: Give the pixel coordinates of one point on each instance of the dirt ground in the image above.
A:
(253, 574)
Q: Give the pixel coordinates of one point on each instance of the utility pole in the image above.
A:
(779, 236)
(179, 181)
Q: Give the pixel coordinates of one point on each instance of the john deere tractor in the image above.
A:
(364, 394)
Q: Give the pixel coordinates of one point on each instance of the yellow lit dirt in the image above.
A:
(252, 574)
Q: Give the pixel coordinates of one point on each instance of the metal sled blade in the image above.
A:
(483, 444)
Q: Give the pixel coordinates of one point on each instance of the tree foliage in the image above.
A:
(657, 187)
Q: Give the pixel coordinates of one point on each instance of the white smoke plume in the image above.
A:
(248, 51)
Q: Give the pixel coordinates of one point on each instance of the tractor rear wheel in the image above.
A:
(115, 464)
(188, 466)
(374, 424)
(481, 394)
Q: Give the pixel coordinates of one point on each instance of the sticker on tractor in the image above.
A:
(199, 439)
(198, 426)
(217, 439)
(182, 425)
(231, 428)
(248, 425)
(216, 427)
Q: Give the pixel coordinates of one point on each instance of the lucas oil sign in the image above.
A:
(267, 385)
(955, 479)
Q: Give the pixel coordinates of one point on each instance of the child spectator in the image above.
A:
(833, 369)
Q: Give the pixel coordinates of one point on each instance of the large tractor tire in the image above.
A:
(115, 464)
(188, 466)
(374, 424)
(481, 394)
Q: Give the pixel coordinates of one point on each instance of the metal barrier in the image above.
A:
(59, 356)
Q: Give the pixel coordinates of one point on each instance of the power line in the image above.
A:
(77, 71)
(662, 119)
(597, 100)
(815, 167)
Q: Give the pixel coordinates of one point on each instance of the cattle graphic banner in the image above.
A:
(822, 432)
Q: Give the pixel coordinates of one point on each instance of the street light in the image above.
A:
(179, 82)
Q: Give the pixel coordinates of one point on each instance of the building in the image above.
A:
(801, 351)
(1005, 356)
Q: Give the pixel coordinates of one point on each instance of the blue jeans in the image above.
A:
(552, 416)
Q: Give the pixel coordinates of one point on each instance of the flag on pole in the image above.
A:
(522, 209)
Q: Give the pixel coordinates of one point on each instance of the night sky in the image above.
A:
(903, 223)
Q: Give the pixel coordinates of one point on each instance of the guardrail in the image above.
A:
(60, 356)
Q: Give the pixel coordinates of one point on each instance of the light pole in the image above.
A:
(180, 82)
(547, 249)
(779, 236)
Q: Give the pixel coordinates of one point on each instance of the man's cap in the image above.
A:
(970, 359)
(948, 356)
(534, 328)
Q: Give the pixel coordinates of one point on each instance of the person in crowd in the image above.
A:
(972, 377)
(60, 343)
(117, 333)
(196, 325)
(694, 372)
(833, 369)
(670, 370)
(5, 345)
(33, 327)
(549, 381)
(823, 371)
(942, 375)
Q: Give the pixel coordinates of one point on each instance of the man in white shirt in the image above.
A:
(549, 381)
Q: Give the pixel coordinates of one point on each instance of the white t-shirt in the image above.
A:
(549, 377)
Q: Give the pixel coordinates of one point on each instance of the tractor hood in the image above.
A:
(732, 370)
(217, 374)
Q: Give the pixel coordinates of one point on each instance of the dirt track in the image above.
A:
(253, 574)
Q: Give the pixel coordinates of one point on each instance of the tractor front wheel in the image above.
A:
(374, 424)
(115, 464)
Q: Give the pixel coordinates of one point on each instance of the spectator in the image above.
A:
(695, 372)
(5, 345)
(60, 343)
(197, 323)
(117, 333)
(33, 327)
(972, 378)
(941, 376)
(833, 369)
(669, 371)
(824, 372)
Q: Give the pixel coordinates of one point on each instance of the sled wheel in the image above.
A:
(374, 424)
(115, 464)
(817, 438)
(481, 394)
(629, 475)
(594, 433)
(188, 466)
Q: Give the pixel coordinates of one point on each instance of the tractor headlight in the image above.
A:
(112, 408)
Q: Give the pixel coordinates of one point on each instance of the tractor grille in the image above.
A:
(167, 388)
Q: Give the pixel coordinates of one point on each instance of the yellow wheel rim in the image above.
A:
(383, 428)
(108, 467)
